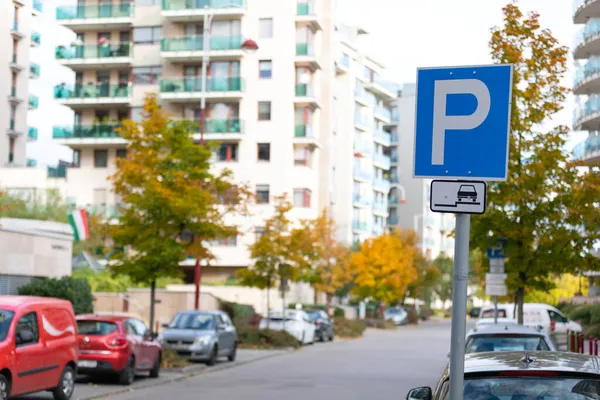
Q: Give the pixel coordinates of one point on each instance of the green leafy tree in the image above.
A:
(77, 291)
(547, 200)
(172, 201)
(427, 277)
(445, 267)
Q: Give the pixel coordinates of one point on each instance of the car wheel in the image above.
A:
(155, 371)
(4, 388)
(127, 375)
(323, 337)
(233, 354)
(66, 385)
(213, 356)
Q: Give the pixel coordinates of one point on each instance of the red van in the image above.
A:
(38, 346)
(120, 346)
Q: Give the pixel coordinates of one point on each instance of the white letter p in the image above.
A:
(443, 122)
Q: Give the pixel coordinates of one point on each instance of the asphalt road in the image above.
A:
(382, 365)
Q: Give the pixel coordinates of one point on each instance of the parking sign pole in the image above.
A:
(495, 310)
(459, 306)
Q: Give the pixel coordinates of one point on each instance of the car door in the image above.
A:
(149, 347)
(135, 342)
(33, 364)
(224, 335)
(231, 332)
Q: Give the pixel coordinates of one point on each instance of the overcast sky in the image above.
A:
(406, 34)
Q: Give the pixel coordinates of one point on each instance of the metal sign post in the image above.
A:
(462, 126)
(495, 281)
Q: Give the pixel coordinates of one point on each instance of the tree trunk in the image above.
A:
(329, 297)
(316, 297)
(268, 304)
(283, 304)
(152, 304)
(519, 300)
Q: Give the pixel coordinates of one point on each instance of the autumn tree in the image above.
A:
(547, 200)
(384, 266)
(427, 277)
(171, 199)
(327, 258)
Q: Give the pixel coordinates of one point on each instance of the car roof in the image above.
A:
(15, 302)
(205, 312)
(102, 317)
(505, 328)
(540, 361)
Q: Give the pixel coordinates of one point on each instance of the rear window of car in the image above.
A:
(483, 343)
(89, 327)
(490, 314)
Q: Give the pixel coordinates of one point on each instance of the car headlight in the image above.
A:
(202, 340)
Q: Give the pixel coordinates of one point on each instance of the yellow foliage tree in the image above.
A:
(384, 266)
(565, 286)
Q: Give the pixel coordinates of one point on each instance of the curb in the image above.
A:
(191, 373)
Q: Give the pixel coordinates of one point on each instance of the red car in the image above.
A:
(38, 346)
(116, 345)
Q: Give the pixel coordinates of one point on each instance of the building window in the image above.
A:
(228, 241)
(302, 198)
(121, 153)
(265, 69)
(302, 156)
(259, 231)
(264, 152)
(262, 194)
(147, 34)
(266, 28)
(76, 158)
(100, 158)
(264, 110)
(228, 152)
(146, 75)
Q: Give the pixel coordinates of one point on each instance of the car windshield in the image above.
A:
(490, 313)
(192, 321)
(394, 311)
(526, 388)
(6, 318)
(483, 343)
(315, 315)
(90, 327)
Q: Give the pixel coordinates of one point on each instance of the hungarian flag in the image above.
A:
(79, 223)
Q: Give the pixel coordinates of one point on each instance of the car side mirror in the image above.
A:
(220, 327)
(420, 393)
(24, 336)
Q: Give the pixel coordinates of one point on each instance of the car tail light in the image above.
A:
(552, 326)
(319, 323)
(117, 342)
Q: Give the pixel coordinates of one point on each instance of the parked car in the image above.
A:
(201, 336)
(323, 325)
(490, 321)
(38, 346)
(522, 375)
(508, 338)
(475, 311)
(295, 322)
(396, 314)
(117, 345)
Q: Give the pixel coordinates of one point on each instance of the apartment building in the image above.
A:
(18, 39)
(305, 114)
(409, 198)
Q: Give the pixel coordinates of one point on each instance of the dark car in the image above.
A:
(522, 375)
(475, 311)
(324, 326)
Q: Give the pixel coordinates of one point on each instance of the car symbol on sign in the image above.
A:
(466, 193)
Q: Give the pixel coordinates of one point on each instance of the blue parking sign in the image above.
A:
(462, 122)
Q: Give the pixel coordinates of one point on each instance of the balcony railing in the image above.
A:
(93, 91)
(363, 148)
(59, 171)
(12, 124)
(381, 158)
(303, 131)
(361, 174)
(361, 199)
(32, 133)
(31, 162)
(377, 230)
(383, 136)
(169, 5)
(591, 146)
(11, 157)
(394, 157)
(34, 70)
(233, 125)
(304, 8)
(15, 26)
(113, 10)
(13, 91)
(394, 139)
(380, 206)
(34, 102)
(188, 85)
(107, 51)
(360, 226)
(382, 183)
(590, 30)
(362, 94)
(393, 220)
(36, 38)
(384, 112)
(394, 179)
(304, 49)
(196, 43)
(345, 60)
(359, 119)
(37, 5)
(304, 89)
(85, 131)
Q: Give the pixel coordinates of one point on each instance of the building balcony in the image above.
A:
(383, 114)
(589, 150)
(362, 175)
(13, 97)
(361, 123)
(14, 64)
(342, 65)
(361, 201)
(95, 57)
(383, 138)
(305, 56)
(34, 71)
(305, 96)
(60, 171)
(382, 161)
(364, 98)
(186, 89)
(32, 134)
(222, 130)
(306, 15)
(93, 95)
(96, 17)
(36, 39)
(377, 87)
(303, 134)
(363, 149)
(191, 48)
(360, 227)
(394, 158)
(393, 220)
(34, 102)
(587, 78)
(380, 208)
(37, 7)
(378, 230)
(196, 10)
(394, 139)
(31, 163)
(87, 135)
(382, 185)
(587, 40)
(16, 31)
(583, 10)
(12, 129)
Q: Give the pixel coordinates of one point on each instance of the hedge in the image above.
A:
(77, 291)
(347, 328)
(254, 338)
(337, 311)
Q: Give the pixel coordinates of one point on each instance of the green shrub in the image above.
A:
(379, 323)
(412, 317)
(582, 313)
(77, 291)
(254, 338)
(337, 311)
(592, 330)
(170, 359)
(347, 328)
(240, 314)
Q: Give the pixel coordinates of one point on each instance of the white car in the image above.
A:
(506, 337)
(490, 321)
(296, 323)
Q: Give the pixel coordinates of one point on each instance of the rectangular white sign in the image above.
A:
(458, 197)
(495, 290)
(496, 270)
(495, 279)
